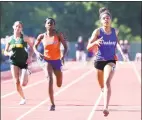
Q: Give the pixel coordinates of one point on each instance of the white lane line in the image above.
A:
(31, 85)
(136, 72)
(101, 94)
(95, 107)
(10, 80)
(34, 84)
(57, 93)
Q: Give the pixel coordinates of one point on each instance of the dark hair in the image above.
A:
(19, 22)
(103, 11)
(50, 19)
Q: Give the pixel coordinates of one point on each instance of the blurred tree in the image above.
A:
(129, 13)
(73, 18)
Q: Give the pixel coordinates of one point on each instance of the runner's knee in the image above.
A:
(59, 82)
(107, 83)
(16, 80)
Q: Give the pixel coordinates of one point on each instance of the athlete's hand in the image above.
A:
(63, 60)
(10, 53)
(29, 60)
(39, 55)
(99, 41)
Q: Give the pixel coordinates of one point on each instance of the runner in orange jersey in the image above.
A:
(51, 41)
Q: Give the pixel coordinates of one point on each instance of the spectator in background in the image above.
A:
(121, 43)
(138, 57)
(126, 48)
(80, 50)
(90, 55)
(3, 43)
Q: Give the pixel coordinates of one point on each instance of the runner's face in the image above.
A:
(17, 27)
(49, 24)
(106, 20)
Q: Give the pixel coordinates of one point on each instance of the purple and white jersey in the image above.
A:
(107, 49)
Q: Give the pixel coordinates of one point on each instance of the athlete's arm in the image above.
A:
(37, 42)
(62, 40)
(119, 46)
(31, 46)
(92, 40)
(6, 51)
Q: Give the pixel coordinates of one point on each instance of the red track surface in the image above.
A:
(78, 98)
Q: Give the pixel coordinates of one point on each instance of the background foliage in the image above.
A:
(72, 18)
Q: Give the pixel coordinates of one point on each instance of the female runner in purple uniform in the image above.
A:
(105, 40)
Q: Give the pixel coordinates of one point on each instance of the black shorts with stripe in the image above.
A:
(101, 64)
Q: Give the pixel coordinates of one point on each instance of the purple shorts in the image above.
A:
(56, 64)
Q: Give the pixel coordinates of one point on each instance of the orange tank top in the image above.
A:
(51, 48)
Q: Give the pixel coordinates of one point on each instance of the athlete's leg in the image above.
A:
(57, 68)
(99, 65)
(59, 77)
(100, 78)
(16, 74)
(24, 77)
(108, 74)
(49, 74)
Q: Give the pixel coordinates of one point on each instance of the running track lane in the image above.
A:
(74, 103)
(77, 101)
(125, 103)
(34, 79)
(34, 94)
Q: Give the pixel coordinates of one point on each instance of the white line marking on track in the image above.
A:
(7, 81)
(57, 93)
(136, 72)
(101, 94)
(10, 80)
(34, 84)
(95, 107)
(11, 93)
